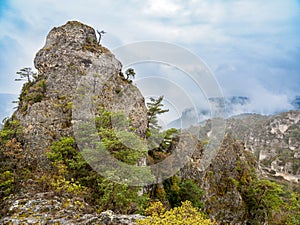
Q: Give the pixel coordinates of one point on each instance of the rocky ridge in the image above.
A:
(274, 140)
(223, 199)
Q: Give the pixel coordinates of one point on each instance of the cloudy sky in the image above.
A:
(251, 46)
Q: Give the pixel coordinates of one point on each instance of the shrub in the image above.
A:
(179, 191)
(185, 214)
(7, 183)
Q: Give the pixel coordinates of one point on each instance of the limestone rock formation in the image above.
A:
(275, 140)
(71, 54)
(223, 199)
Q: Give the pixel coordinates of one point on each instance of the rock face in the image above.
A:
(71, 54)
(223, 198)
(275, 140)
(46, 208)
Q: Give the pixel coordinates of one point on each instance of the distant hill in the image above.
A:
(296, 102)
(233, 105)
(273, 139)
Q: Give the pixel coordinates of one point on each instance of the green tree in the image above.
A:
(262, 198)
(13, 166)
(178, 191)
(130, 73)
(7, 184)
(121, 198)
(76, 176)
(157, 140)
(26, 74)
(293, 208)
(155, 109)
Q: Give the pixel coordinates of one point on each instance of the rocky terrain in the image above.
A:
(44, 179)
(46, 208)
(274, 140)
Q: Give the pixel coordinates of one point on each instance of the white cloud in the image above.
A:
(163, 8)
(247, 43)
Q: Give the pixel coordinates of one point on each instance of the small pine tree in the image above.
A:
(130, 73)
(27, 74)
(155, 109)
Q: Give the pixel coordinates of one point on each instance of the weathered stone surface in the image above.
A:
(46, 208)
(275, 140)
(223, 201)
(72, 55)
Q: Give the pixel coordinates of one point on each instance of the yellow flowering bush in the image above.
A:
(186, 214)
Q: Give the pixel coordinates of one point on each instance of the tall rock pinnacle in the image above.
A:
(70, 54)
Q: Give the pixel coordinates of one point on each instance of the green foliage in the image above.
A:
(7, 184)
(13, 166)
(121, 198)
(263, 198)
(12, 128)
(168, 137)
(126, 147)
(73, 175)
(11, 152)
(155, 109)
(63, 150)
(59, 183)
(159, 142)
(27, 74)
(293, 209)
(185, 214)
(33, 90)
(130, 73)
(179, 191)
(114, 135)
(68, 169)
(190, 191)
(172, 189)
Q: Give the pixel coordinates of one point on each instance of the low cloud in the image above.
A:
(252, 47)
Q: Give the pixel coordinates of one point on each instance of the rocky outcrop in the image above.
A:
(223, 198)
(72, 54)
(46, 208)
(275, 140)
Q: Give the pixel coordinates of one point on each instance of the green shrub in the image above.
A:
(179, 191)
(7, 184)
(73, 175)
(12, 128)
(293, 209)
